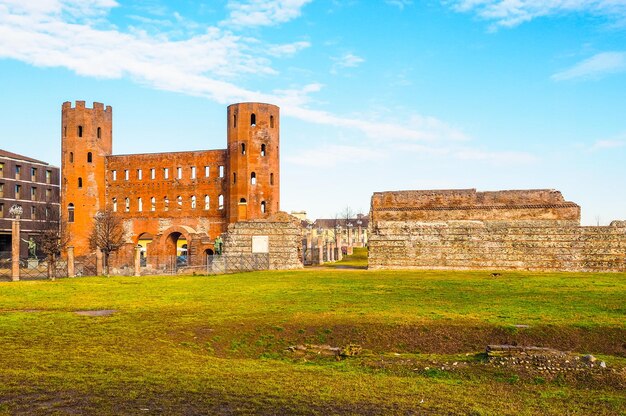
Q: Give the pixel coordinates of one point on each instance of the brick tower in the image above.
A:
(253, 161)
(86, 140)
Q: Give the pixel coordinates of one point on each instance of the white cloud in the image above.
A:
(205, 65)
(263, 12)
(509, 13)
(288, 49)
(594, 67)
(608, 144)
(401, 4)
(348, 60)
(333, 155)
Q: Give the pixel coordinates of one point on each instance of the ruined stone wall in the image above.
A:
(460, 245)
(284, 235)
(467, 204)
(465, 229)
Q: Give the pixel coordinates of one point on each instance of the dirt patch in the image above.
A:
(101, 312)
(431, 338)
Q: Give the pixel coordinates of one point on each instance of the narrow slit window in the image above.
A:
(206, 172)
(114, 175)
(193, 172)
(153, 204)
(253, 119)
(179, 172)
(271, 179)
(220, 202)
(243, 148)
(234, 177)
(80, 131)
(193, 202)
(99, 133)
(89, 157)
(152, 173)
(272, 122)
(80, 182)
(139, 204)
(127, 204)
(114, 204)
(166, 173)
(235, 120)
(206, 202)
(179, 201)
(221, 171)
(126, 174)
(253, 178)
(70, 212)
(262, 150)
(263, 207)
(71, 157)
(166, 204)
(139, 174)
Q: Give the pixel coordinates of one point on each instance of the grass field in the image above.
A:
(219, 344)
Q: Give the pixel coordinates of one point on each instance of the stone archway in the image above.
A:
(144, 240)
(175, 243)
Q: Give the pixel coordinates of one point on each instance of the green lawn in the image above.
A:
(218, 345)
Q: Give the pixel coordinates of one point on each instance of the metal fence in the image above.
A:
(34, 268)
(213, 264)
(237, 263)
(40, 268)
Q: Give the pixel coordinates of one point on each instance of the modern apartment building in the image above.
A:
(33, 185)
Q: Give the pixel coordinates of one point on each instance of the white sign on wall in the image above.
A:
(260, 244)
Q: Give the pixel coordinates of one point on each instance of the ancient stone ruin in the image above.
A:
(503, 230)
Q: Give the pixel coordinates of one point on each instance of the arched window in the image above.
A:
(71, 157)
(127, 205)
(166, 204)
(220, 202)
(153, 204)
(80, 182)
(193, 202)
(243, 148)
(70, 212)
(179, 201)
(272, 122)
(114, 204)
(253, 178)
(80, 131)
(262, 150)
(99, 133)
(139, 204)
(263, 207)
(271, 179)
(234, 177)
(206, 202)
(253, 119)
(89, 157)
(242, 201)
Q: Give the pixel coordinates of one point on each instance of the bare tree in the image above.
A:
(52, 238)
(107, 235)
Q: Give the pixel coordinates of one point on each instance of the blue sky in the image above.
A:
(375, 95)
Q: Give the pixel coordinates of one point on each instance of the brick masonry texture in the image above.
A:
(163, 197)
(465, 229)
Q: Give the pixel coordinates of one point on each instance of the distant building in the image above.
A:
(33, 185)
(356, 227)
